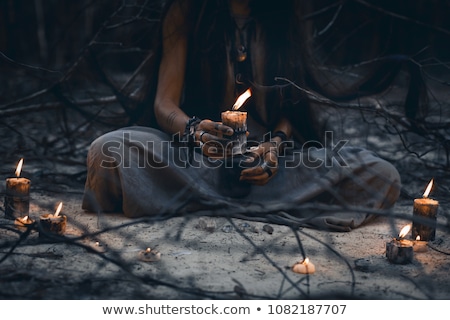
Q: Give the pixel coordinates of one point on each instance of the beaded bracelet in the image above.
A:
(281, 135)
(189, 131)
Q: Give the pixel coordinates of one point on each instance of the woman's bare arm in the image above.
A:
(172, 72)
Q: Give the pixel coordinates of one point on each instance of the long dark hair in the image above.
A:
(287, 38)
(210, 27)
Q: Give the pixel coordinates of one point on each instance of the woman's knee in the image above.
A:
(389, 181)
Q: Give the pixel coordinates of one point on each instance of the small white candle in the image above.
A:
(24, 222)
(149, 255)
(304, 267)
(419, 245)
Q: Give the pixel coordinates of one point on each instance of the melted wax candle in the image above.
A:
(17, 195)
(425, 212)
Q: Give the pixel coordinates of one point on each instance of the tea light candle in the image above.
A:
(53, 223)
(99, 247)
(304, 267)
(419, 245)
(24, 223)
(425, 208)
(17, 195)
(237, 120)
(149, 255)
(400, 250)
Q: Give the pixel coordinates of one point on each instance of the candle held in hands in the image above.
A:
(237, 120)
(17, 195)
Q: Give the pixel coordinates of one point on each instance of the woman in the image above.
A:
(212, 51)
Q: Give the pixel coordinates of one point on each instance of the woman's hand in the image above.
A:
(213, 138)
(267, 153)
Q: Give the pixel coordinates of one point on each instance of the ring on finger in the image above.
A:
(200, 137)
(266, 168)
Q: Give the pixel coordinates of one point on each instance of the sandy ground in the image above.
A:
(99, 258)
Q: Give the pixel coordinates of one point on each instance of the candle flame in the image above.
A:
(428, 189)
(241, 99)
(306, 261)
(58, 210)
(404, 231)
(148, 250)
(418, 238)
(19, 168)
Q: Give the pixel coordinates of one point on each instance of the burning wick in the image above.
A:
(19, 168)
(428, 189)
(241, 99)
(402, 234)
(304, 267)
(237, 120)
(149, 255)
(58, 210)
(404, 231)
(24, 222)
(400, 250)
(420, 246)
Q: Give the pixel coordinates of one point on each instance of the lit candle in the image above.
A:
(419, 245)
(149, 255)
(400, 250)
(24, 223)
(53, 223)
(304, 267)
(17, 195)
(237, 120)
(99, 247)
(425, 211)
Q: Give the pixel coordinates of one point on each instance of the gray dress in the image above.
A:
(139, 172)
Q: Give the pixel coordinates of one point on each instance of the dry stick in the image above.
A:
(402, 17)
(338, 255)
(136, 72)
(55, 105)
(438, 250)
(121, 264)
(414, 127)
(416, 285)
(69, 71)
(22, 237)
(280, 270)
